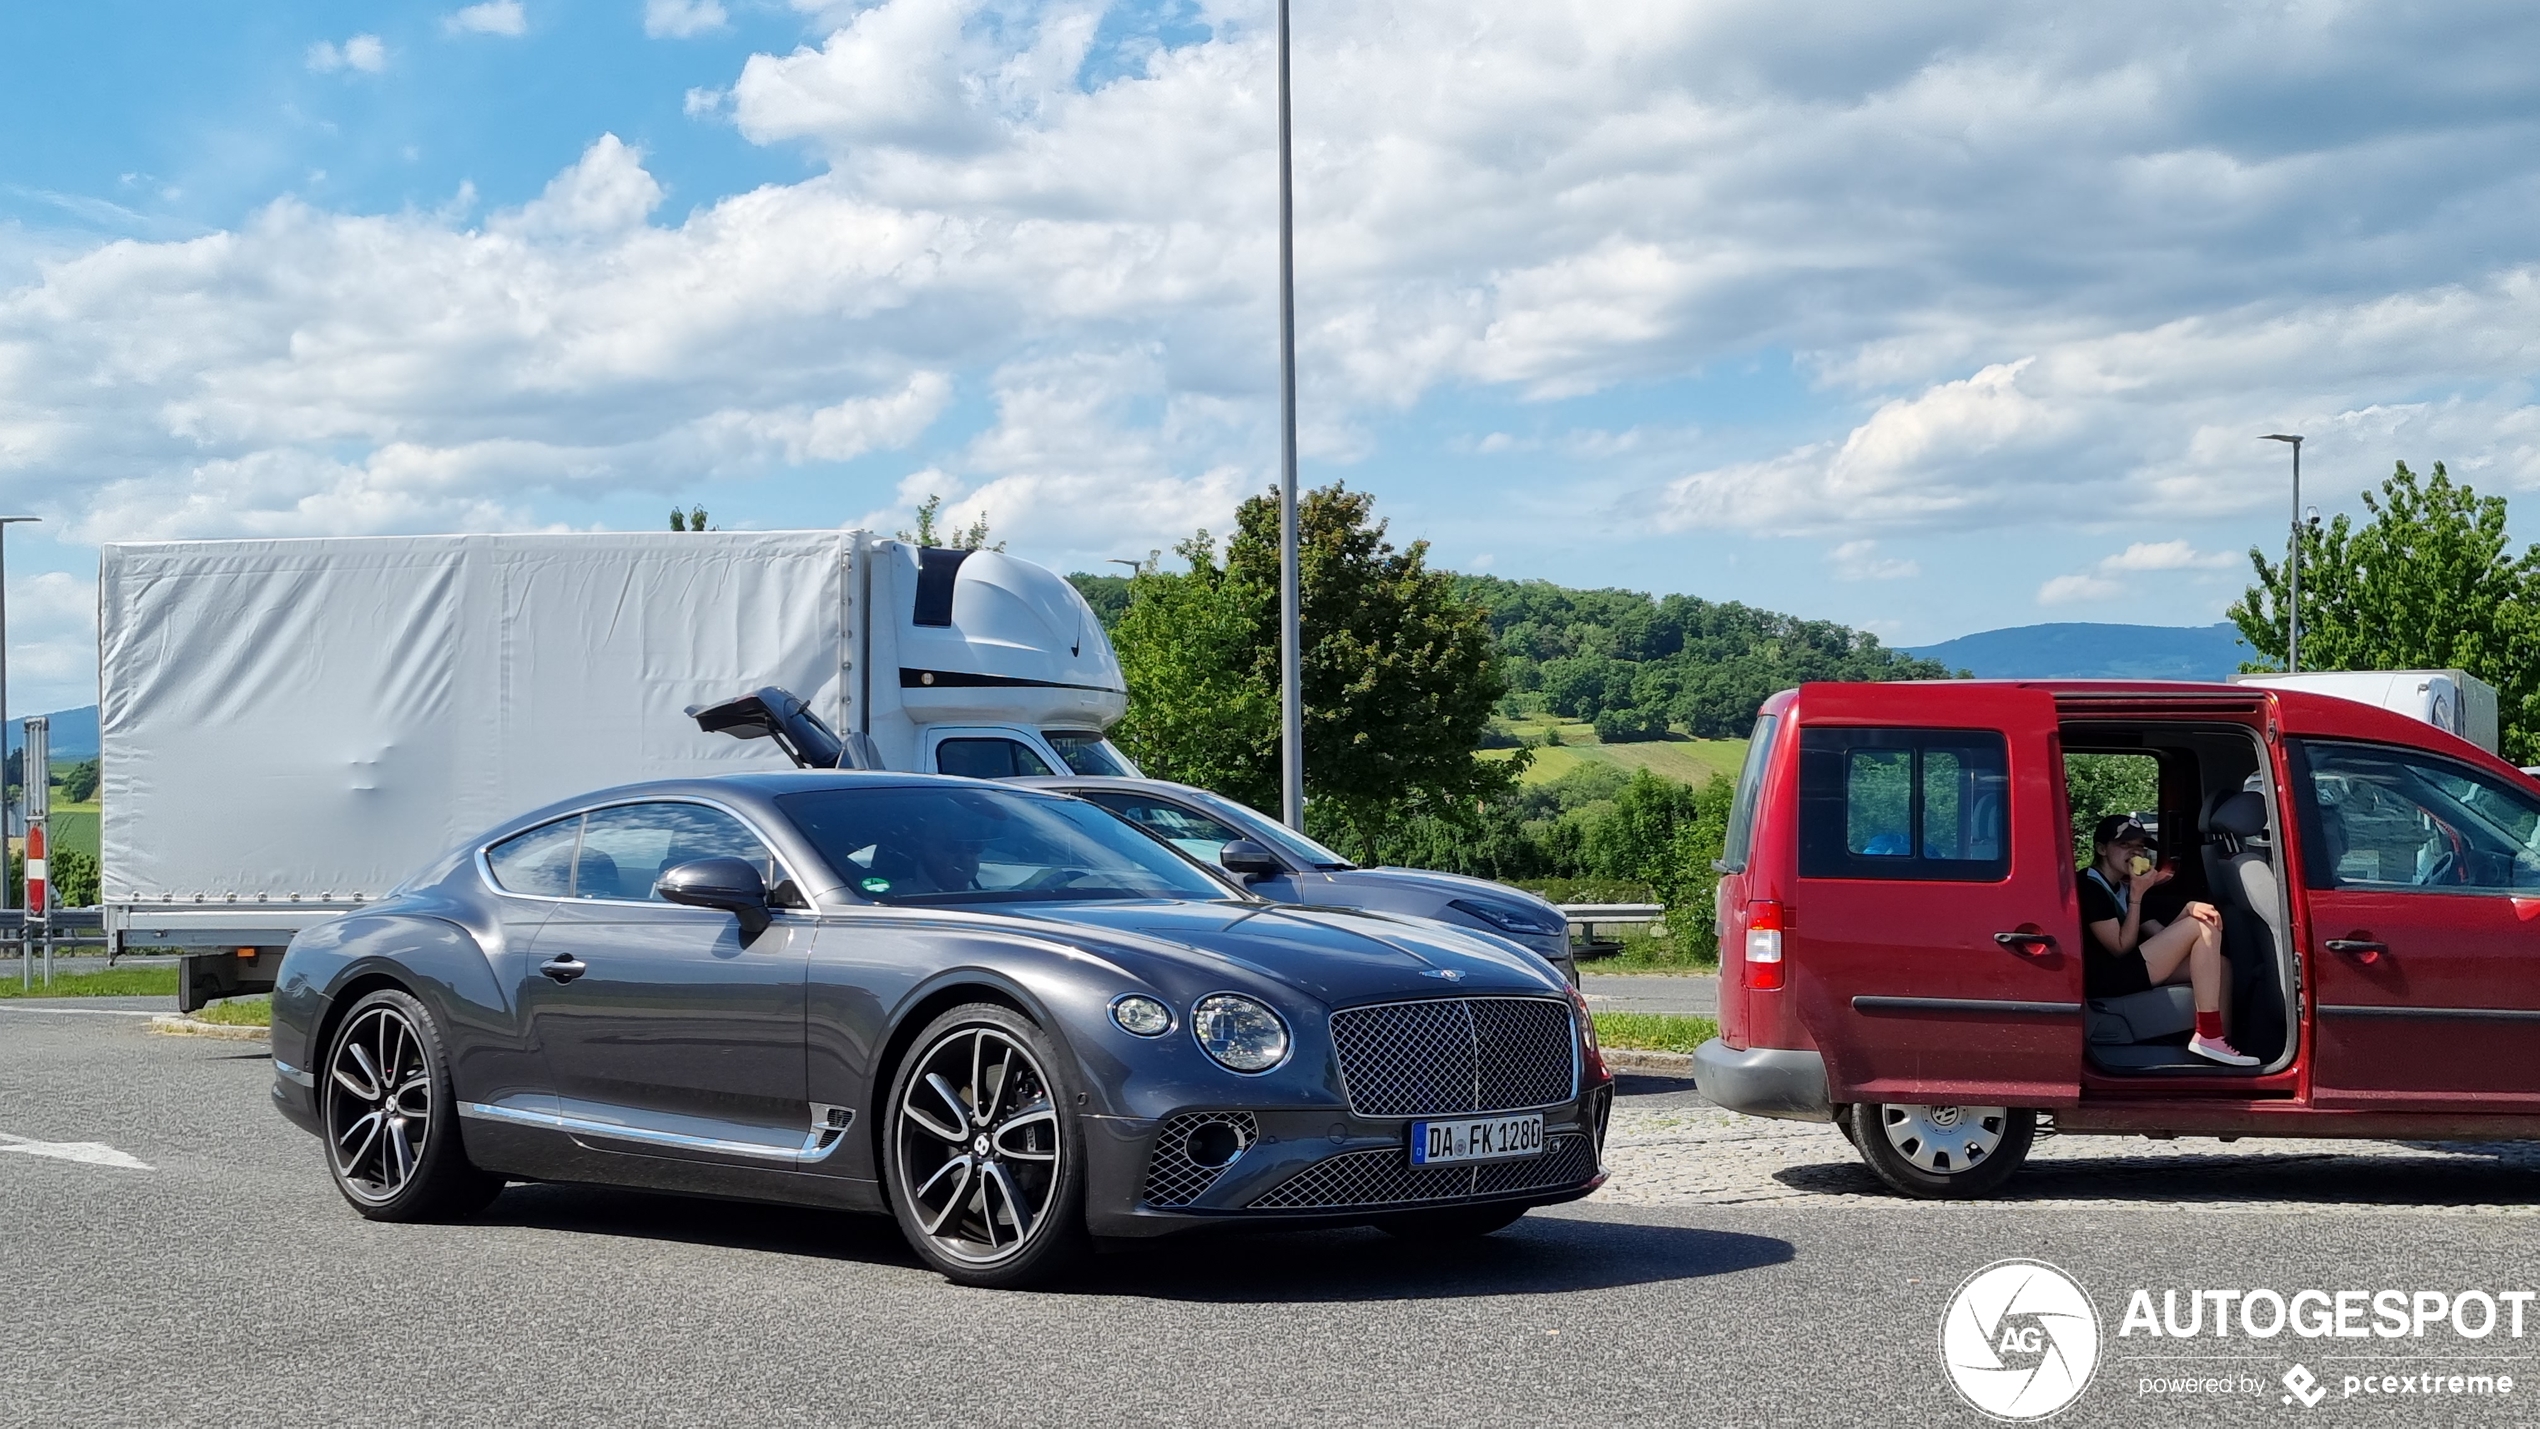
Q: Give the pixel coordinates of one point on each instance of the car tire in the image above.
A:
(389, 1119)
(1460, 1223)
(1937, 1153)
(1001, 1204)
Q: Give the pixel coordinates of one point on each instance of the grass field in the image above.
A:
(74, 826)
(1687, 761)
(1653, 1031)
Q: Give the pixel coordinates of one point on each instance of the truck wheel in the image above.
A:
(1943, 1153)
(392, 1129)
(985, 1161)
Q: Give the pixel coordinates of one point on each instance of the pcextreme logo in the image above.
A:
(2020, 1340)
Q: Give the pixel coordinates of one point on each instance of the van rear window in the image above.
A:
(1927, 804)
(1750, 791)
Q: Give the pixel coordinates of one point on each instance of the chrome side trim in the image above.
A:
(294, 1075)
(2435, 1014)
(1981, 1007)
(816, 1146)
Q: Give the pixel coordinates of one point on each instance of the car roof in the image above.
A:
(1121, 782)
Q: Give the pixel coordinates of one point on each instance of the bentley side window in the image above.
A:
(539, 862)
(626, 849)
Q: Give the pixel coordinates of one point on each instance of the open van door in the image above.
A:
(1931, 930)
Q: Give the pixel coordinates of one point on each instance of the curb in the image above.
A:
(176, 1024)
(1673, 1064)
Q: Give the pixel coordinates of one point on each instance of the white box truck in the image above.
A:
(2454, 701)
(288, 728)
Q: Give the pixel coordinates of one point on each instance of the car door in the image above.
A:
(1931, 927)
(2422, 876)
(662, 1031)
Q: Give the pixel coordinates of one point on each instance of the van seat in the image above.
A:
(2148, 1016)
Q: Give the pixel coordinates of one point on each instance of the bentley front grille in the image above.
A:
(1451, 1055)
(1356, 1180)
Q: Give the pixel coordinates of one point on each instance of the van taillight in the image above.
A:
(1764, 945)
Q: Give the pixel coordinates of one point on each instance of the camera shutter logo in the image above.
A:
(2020, 1340)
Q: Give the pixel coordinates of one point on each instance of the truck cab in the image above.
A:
(1901, 936)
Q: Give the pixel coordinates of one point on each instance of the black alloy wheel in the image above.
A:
(1943, 1153)
(985, 1157)
(392, 1134)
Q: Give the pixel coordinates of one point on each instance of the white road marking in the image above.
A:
(87, 1153)
(79, 1011)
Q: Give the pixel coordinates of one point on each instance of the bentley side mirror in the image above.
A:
(730, 884)
(1248, 860)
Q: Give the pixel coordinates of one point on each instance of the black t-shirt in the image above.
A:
(2098, 904)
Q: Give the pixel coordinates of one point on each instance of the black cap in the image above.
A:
(2119, 828)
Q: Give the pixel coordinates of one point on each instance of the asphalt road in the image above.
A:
(228, 1284)
(1688, 994)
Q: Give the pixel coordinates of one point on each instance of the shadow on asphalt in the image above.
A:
(1539, 1254)
(2432, 1174)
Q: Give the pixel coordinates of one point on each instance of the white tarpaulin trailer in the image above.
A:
(290, 727)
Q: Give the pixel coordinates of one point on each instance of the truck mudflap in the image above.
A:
(203, 978)
(1763, 1081)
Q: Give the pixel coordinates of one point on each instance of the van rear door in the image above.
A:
(1931, 930)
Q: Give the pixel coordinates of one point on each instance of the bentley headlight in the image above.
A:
(1141, 1015)
(1238, 1033)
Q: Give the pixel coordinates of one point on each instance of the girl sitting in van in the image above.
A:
(2129, 953)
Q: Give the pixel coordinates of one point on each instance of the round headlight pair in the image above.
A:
(1237, 1032)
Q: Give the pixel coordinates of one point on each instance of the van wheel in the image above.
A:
(1943, 1153)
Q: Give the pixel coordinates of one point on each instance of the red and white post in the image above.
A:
(36, 777)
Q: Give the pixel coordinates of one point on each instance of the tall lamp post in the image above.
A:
(1291, 680)
(2293, 561)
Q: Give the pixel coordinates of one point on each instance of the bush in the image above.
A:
(1631, 726)
(74, 875)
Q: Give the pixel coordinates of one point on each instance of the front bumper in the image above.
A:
(1763, 1081)
(1318, 1165)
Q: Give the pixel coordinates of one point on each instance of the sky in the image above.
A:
(1930, 319)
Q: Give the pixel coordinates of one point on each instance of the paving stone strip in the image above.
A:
(1702, 1156)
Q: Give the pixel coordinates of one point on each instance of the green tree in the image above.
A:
(694, 519)
(79, 782)
(2429, 581)
(1399, 673)
(973, 537)
(73, 872)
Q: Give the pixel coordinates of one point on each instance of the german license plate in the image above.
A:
(1486, 1138)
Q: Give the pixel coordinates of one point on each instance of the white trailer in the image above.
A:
(2454, 701)
(288, 728)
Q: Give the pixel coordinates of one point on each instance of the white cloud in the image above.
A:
(2044, 268)
(1861, 561)
(2167, 556)
(681, 19)
(362, 52)
(2073, 590)
(493, 17)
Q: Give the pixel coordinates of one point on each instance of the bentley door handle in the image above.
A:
(564, 967)
(2030, 943)
(2365, 950)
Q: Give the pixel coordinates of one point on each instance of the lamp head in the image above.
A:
(2280, 437)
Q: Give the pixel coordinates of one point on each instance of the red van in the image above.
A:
(1900, 937)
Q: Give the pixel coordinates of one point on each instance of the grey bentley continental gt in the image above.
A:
(1002, 1016)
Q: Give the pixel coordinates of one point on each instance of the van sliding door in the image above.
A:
(1933, 926)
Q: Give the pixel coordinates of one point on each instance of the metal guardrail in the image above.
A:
(1586, 918)
(63, 927)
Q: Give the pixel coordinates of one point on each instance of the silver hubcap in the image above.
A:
(977, 1143)
(378, 1105)
(1944, 1140)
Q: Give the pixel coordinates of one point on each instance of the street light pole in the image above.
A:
(8, 897)
(1291, 680)
(2293, 562)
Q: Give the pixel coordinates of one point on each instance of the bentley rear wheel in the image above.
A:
(392, 1138)
(985, 1159)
